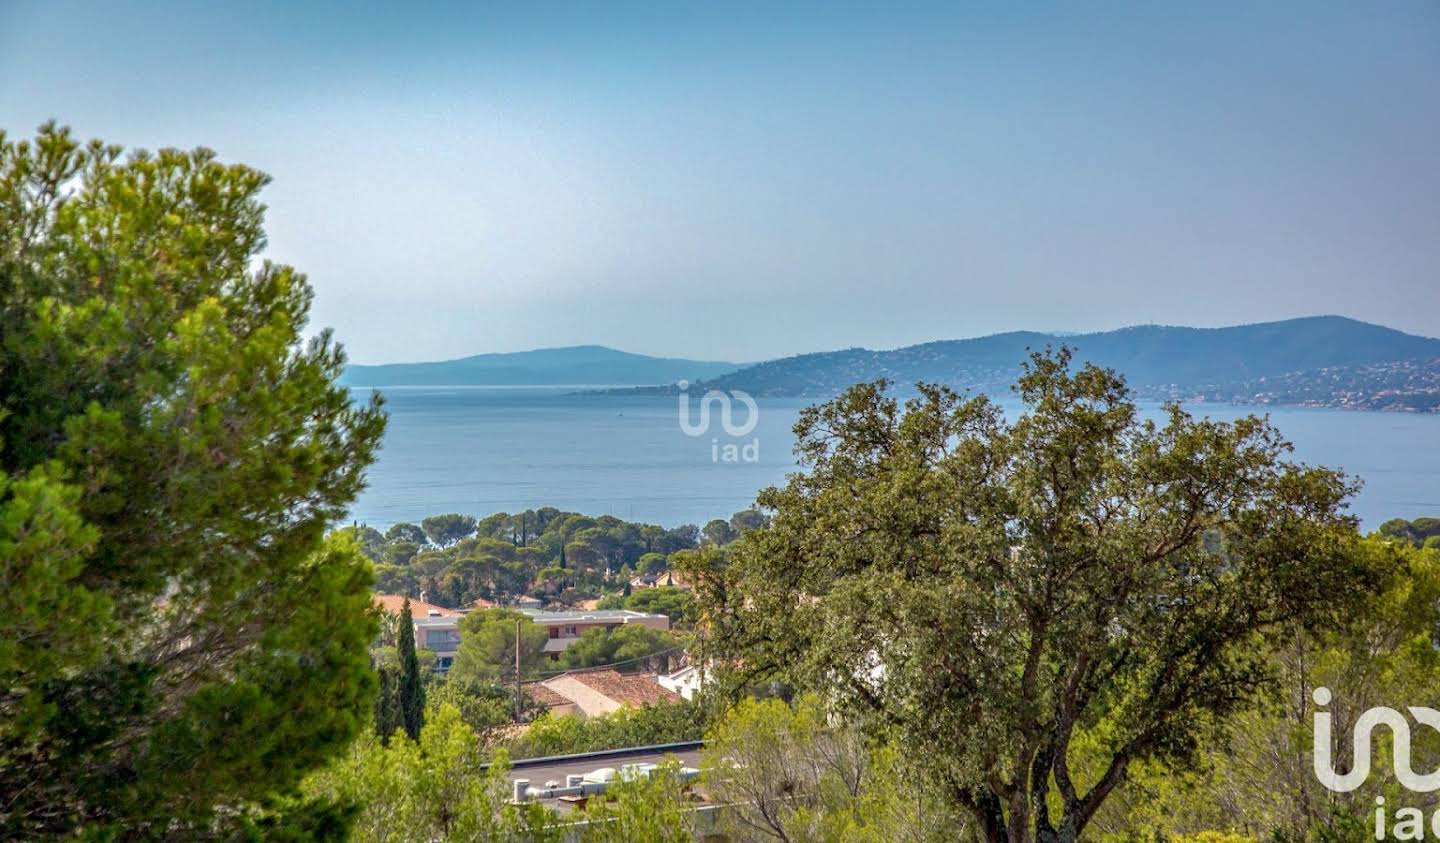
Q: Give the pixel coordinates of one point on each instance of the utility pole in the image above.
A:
(517, 670)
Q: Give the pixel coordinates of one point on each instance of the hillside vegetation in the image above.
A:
(1317, 361)
(559, 557)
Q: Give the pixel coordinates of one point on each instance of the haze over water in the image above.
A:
(478, 450)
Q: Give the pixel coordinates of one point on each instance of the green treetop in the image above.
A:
(487, 646)
(975, 588)
(179, 641)
(627, 643)
(445, 530)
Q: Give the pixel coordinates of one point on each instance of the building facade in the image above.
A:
(566, 627)
(437, 628)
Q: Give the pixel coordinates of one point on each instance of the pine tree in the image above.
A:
(410, 692)
(179, 641)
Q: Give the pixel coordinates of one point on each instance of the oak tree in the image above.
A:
(974, 588)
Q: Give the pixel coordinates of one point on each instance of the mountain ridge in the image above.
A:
(1310, 361)
(1313, 360)
(576, 365)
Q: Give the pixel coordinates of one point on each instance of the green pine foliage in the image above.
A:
(179, 641)
(456, 559)
(628, 645)
(487, 646)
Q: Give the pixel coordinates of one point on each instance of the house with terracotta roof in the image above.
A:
(597, 692)
(553, 701)
(436, 628)
(393, 603)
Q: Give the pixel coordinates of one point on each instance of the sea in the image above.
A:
(481, 450)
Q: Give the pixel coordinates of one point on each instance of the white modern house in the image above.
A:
(686, 682)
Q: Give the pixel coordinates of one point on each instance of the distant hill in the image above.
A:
(1322, 360)
(581, 365)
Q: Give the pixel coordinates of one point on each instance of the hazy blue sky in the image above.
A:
(728, 181)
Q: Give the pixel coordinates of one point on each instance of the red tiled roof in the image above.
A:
(635, 689)
(545, 695)
(395, 602)
(481, 603)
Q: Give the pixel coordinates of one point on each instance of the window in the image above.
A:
(554, 632)
(570, 631)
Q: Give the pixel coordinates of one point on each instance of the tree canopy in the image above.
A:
(456, 559)
(644, 726)
(178, 641)
(790, 774)
(627, 643)
(487, 646)
(1419, 532)
(976, 589)
(674, 603)
(445, 530)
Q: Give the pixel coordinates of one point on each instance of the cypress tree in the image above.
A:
(387, 705)
(411, 693)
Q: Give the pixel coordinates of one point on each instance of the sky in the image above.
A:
(746, 181)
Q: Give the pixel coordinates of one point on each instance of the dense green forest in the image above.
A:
(563, 557)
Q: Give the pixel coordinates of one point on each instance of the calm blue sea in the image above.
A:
(480, 450)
